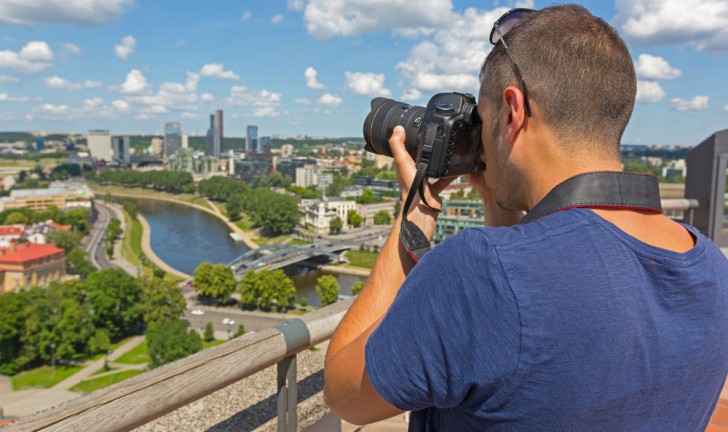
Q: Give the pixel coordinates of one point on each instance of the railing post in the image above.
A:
(287, 395)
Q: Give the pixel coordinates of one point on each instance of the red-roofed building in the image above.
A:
(29, 264)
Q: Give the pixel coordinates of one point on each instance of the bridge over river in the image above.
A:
(276, 256)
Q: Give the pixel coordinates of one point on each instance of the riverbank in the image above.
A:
(149, 252)
(136, 193)
(361, 272)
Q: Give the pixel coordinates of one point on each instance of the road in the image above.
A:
(253, 321)
(96, 244)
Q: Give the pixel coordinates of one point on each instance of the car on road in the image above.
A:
(198, 312)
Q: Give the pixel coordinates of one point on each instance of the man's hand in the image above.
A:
(406, 169)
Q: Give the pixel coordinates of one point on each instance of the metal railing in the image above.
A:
(676, 208)
(141, 399)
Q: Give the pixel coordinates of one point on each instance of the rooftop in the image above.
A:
(28, 252)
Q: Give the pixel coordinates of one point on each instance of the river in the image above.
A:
(184, 237)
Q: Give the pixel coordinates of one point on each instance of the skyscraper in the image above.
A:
(99, 144)
(264, 144)
(172, 137)
(214, 134)
(120, 146)
(251, 139)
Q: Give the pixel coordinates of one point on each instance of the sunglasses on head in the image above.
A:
(500, 29)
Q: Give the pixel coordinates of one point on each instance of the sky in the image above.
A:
(311, 67)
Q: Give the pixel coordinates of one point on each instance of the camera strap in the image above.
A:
(413, 239)
(601, 189)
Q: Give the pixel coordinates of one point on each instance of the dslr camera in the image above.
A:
(446, 134)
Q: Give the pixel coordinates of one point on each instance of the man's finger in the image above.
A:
(441, 184)
(396, 144)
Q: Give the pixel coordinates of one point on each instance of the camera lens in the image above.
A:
(384, 116)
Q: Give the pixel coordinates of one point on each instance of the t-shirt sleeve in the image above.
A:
(452, 334)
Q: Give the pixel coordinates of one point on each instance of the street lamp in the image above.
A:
(53, 358)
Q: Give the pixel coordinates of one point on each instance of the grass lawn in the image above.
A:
(212, 343)
(361, 259)
(262, 241)
(138, 355)
(103, 370)
(98, 383)
(299, 242)
(43, 376)
(151, 193)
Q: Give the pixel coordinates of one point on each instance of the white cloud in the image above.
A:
(94, 102)
(92, 84)
(70, 48)
(120, 105)
(703, 23)
(725, 108)
(649, 91)
(56, 82)
(366, 84)
(217, 70)
(207, 97)
(329, 99)
(241, 95)
(295, 5)
(180, 43)
(4, 97)
(135, 82)
(450, 58)
(311, 81)
(125, 49)
(411, 95)
(277, 19)
(266, 112)
(329, 18)
(302, 101)
(698, 103)
(246, 15)
(5, 79)
(655, 68)
(34, 57)
(78, 12)
(53, 109)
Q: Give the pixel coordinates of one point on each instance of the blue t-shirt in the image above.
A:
(563, 324)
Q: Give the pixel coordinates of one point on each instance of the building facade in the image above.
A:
(28, 264)
(120, 149)
(191, 161)
(367, 211)
(254, 165)
(251, 138)
(457, 215)
(172, 137)
(59, 194)
(99, 145)
(317, 214)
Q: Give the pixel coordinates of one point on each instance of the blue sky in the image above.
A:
(310, 67)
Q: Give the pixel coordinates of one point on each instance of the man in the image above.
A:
(606, 318)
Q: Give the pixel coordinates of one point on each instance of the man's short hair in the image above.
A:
(578, 71)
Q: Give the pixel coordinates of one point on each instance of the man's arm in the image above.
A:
(348, 390)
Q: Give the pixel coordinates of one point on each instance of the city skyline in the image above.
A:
(299, 68)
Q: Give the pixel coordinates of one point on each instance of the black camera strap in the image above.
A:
(413, 239)
(600, 189)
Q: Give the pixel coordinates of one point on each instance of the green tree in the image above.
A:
(214, 281)
(356, 288)
(240, 331)
(327, 288)
(335, 225)
(66, 240)
(11, 327)
(171, 341)
(382, 217)
(235, 207)
(368, 197)
(276, 213)
(283, 288)
(130, 208)
(209, 334)
(116, 301)
(16, 218)
(99, 342)
(162, 301)
(353, 218)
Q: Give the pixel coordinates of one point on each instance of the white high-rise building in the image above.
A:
(99, 144)
(120, 146)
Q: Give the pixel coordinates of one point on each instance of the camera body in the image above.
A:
(446, 134)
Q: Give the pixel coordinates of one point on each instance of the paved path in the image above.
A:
(112, 211)
(92, 366)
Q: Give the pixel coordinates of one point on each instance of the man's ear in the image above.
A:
(514, 102)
